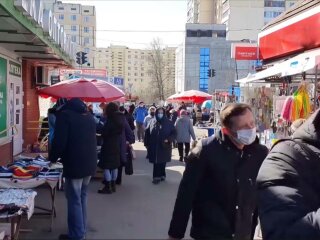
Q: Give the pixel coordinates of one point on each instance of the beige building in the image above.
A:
(244, 19)
(79, 23)
(134, 66)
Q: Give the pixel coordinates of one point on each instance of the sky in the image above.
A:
(134, 23)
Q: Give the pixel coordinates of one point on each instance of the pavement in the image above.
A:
(138, 210)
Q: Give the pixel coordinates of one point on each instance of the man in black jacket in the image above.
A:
(289, 186)
(218, 184)
(75, 143)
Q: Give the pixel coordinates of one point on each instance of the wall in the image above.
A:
(31, 105)
(5, 154)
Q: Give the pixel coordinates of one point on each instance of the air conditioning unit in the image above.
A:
(41, 76)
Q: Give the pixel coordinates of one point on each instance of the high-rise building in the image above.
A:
(134, 66)
(202, 11)
(79, 22)
(243, 18)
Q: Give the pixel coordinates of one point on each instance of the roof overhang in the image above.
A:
(20, 35)
(304, 62)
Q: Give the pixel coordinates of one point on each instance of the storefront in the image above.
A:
(291, 61)
(31, 43)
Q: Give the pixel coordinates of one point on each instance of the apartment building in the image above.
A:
(79, 22)
(134, 66)
(244, 19)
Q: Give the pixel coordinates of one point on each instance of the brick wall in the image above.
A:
(31, 104)
(5, 154)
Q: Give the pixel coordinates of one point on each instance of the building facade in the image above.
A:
(243, 19)
(134, 66)
(79, 22)
(205, 47)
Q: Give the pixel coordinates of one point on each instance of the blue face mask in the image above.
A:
(160, 115)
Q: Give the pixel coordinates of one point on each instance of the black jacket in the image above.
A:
(289, 186)
(75, 140)
(218, 186)
(156, 133)
(110, 156)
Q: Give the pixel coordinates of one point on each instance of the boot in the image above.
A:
(113, 186)
(181, 159)
(106, 189)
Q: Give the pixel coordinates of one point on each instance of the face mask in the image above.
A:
(160, 115)
(246, 136)
(152, 114)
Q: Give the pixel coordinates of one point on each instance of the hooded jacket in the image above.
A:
(75, 140)
(139, 114)
(157, 132)
(184, 130)
(218, 187)
(289, 186)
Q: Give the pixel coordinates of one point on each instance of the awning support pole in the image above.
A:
(315, 89)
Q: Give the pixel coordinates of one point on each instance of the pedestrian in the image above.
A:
(75, 143)
(218, 184)
(139, 114)
(289, 185)
(127, 138)
(147, 119)
(110, 155)
(185, 131)
(160, 134)
(173, 115)
(129, 117)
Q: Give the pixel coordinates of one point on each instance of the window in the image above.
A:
(142, 75)
(272, 3)
(129, 56)
(73, 17)
(73, 28)
(86, 29)
(86, 19)
(135, 74)
(129, 74)
(73, 9)
(61, 17)
(204, 67)
(61, 8)
(74, 38)
(86, 50)
(86, 11)
(129, 68)
(86, 40)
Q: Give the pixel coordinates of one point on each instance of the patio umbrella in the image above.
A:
(192, 96)
(207, 104)
(87, 90)
(172, 97)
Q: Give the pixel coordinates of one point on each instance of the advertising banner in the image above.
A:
(3, 97)
(66, 73)
(244, 51)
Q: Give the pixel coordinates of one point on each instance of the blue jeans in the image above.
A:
(76, 193)
(110, 175)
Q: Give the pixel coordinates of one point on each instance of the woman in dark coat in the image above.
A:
(160, 134)
(127, 138)
(110, 156)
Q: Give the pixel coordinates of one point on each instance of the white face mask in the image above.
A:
(246, 136)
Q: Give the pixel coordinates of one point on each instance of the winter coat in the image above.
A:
(110, 155)
(139, 114)
(126, 136)
(218, 187)
(184, 130)
(289, 186)
(75, 140)
(156, 133)
(130, 120)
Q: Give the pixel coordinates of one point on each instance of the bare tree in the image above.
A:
(159, 69)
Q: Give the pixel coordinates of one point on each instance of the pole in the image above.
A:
(315, 89)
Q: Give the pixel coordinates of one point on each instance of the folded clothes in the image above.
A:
(21, 173)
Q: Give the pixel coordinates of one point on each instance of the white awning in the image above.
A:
(301, 63)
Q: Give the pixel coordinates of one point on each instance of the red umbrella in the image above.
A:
(191, 96)
(87, 90)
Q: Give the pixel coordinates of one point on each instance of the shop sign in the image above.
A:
(246, 53)
(3, 97)
(55, 79)
(34, 10)
(65, 73)
(14, 69)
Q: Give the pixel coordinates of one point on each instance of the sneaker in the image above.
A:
(181, 159)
